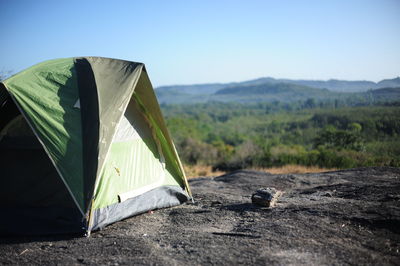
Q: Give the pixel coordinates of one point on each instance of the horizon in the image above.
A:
(267, 77)
(204, 42)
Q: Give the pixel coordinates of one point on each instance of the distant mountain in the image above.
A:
(337, 85)
(387, 94)
(176, 97)
(270, 89)
(208, 88)
(264, 92)
(268, 92)
(332, 84)
(389, 83)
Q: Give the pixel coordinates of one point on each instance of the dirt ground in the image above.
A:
(341, 217)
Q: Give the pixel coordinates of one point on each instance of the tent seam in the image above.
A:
(167, 137)
(106, 154)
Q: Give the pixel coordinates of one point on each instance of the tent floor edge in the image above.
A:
(161, 197)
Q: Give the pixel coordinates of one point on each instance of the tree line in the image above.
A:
(231, 136)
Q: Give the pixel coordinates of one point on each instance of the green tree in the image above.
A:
(310, 103)
(340, 139)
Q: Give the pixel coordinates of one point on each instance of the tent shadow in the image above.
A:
(12, 239)
(244, 207)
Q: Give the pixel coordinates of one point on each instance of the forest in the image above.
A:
(328, 134)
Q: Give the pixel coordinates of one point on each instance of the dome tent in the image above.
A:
(83, 144)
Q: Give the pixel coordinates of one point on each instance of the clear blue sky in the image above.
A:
(186, 41)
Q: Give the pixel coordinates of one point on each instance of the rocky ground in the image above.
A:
(342, 217)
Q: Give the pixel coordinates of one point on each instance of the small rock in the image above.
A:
(393, 197)
(26, 250)
(266, 197)
(217, 202)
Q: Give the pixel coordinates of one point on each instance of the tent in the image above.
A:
(83, 144)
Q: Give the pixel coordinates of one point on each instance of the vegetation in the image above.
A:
(229, 136)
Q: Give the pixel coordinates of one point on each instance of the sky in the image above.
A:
(205, 41)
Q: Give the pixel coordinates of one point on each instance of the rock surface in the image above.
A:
(266, 197)
(342, 217)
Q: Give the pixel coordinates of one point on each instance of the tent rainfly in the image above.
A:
(83, 144)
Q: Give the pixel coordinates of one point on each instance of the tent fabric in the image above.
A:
(161, 197)
(3, 95)
(45, 95)
(88, 104)
(33, 199)
(133, 160)
(148, 101)
(114, 91)
(100, 133)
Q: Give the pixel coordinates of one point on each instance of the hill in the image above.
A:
(332, 84)
(389, 83)
(386, 94)
(270, 89)
(195, 89)
(269, 92)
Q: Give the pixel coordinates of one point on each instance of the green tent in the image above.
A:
(83, 144)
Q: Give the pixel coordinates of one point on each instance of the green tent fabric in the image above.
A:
(83, 144)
